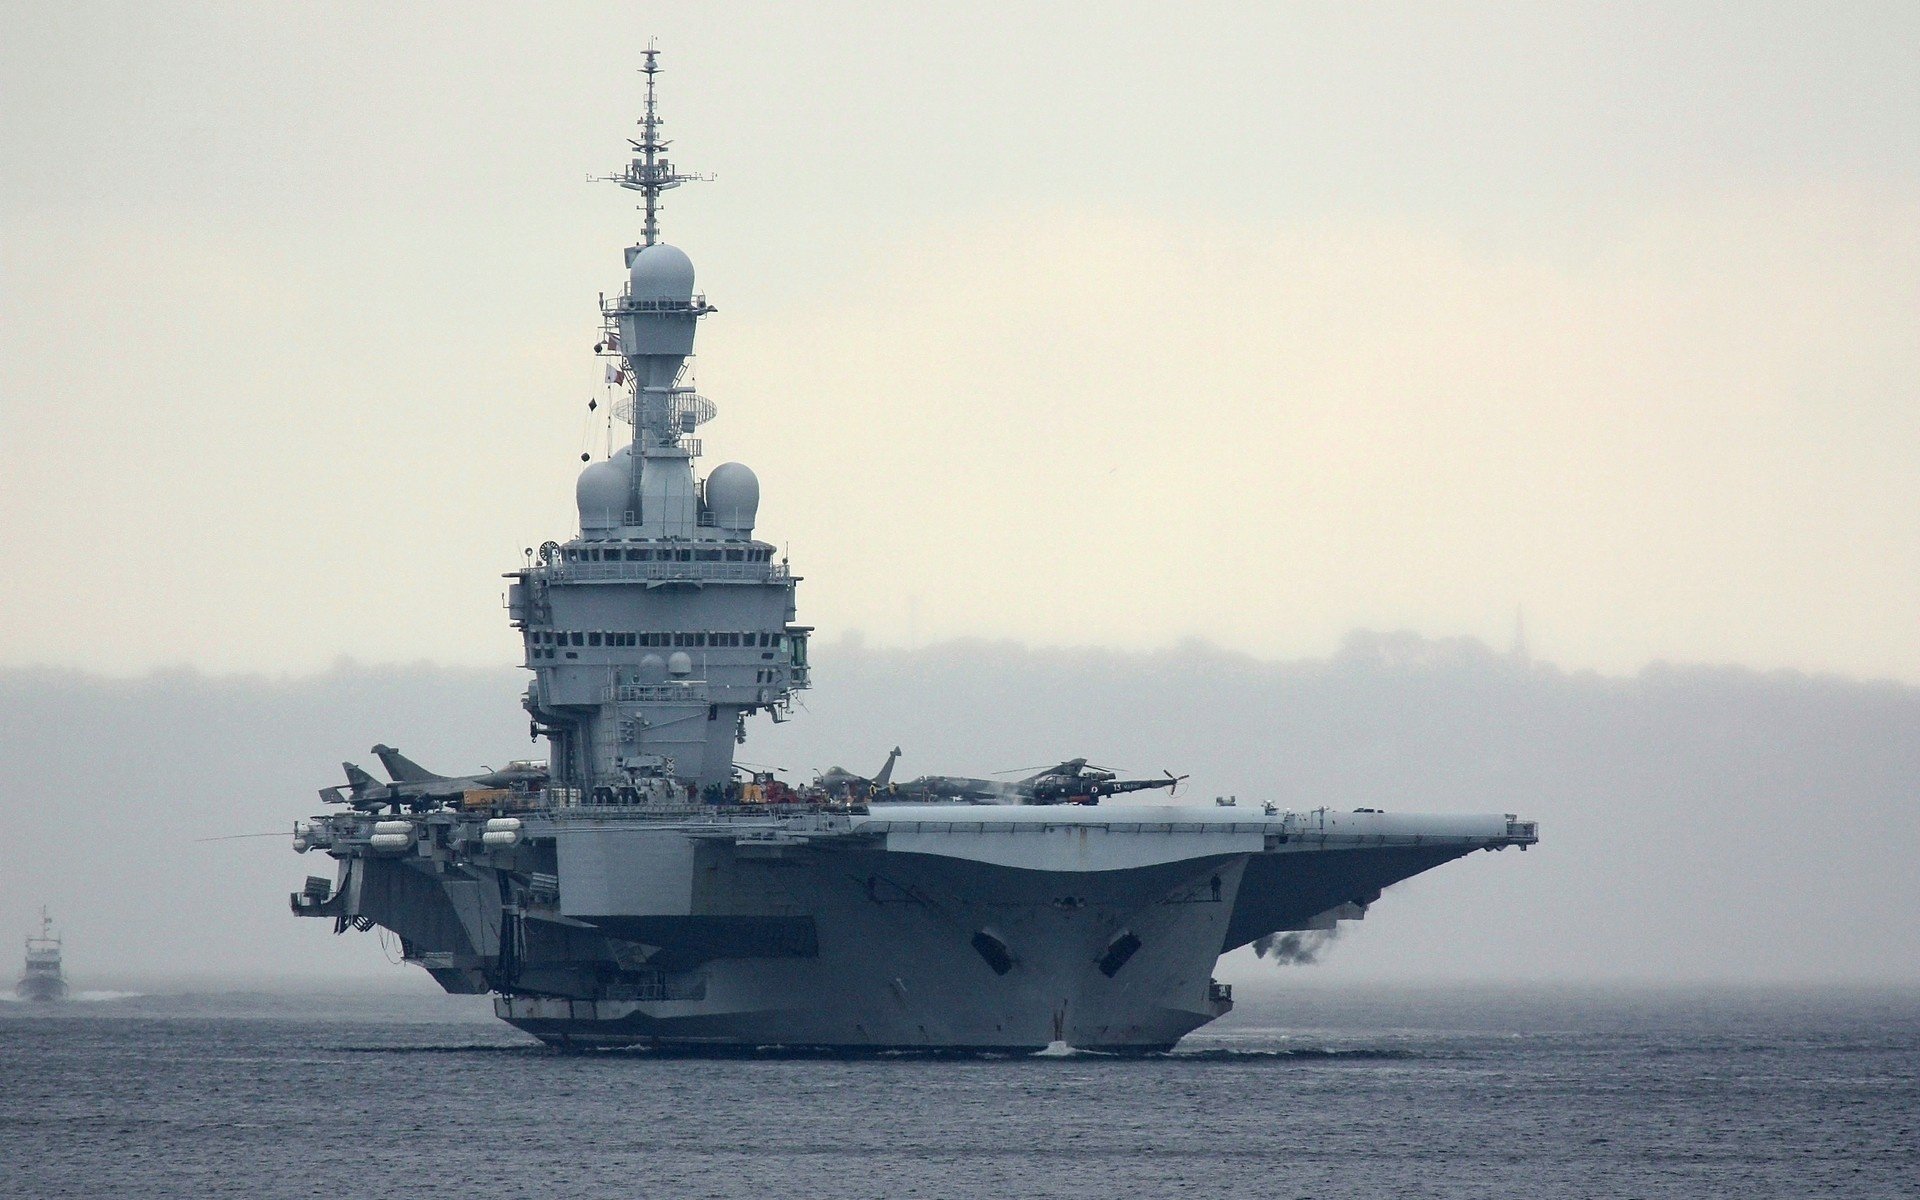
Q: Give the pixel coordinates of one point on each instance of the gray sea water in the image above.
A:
(1308, 1092)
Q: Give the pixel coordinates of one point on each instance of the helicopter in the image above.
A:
(1074, 781)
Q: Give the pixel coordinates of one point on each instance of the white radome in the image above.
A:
(733, 496)
(661, 272)
(602, 495)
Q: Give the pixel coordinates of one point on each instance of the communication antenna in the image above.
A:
(650, 173)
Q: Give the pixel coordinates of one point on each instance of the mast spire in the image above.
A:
(650, 173)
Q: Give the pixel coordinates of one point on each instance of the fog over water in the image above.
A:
(1698, 824)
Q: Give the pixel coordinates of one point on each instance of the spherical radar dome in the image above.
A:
(661, 272)
(733, 496)
(602, 495)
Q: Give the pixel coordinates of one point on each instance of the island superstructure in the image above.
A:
(42, 979)
(638, 888)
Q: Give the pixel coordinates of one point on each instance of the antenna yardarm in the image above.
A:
(649, 172)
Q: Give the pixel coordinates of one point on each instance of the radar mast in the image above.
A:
(650, 173)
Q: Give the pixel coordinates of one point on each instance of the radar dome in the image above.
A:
(679, 664)
(602, 495)
(733, 496)
(653, 669)
(661, 272)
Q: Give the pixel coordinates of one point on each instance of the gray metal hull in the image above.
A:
(914, 927)
(895, 964)
(42, 989)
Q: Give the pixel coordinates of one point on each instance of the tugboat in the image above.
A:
(42, 981)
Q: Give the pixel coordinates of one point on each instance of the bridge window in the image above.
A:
(579, 639)
(593, 639)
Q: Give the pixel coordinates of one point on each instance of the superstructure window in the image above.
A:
(593, 639)
(579, 639)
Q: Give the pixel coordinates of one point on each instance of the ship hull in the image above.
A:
(40, 990)
(917, 952)
(912, 928)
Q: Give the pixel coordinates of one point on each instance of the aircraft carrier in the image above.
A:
(639, 888)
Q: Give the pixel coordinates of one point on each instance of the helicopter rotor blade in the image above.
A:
(1028, 770)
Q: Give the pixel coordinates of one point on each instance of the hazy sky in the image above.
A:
(1097, 324)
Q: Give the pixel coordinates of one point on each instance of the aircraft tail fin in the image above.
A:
(886, 773)
(403, 769)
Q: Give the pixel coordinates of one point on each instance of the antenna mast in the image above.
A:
(650, 173)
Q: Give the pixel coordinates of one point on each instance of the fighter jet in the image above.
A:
(838, 781)
(416, 788)
(1070, 782)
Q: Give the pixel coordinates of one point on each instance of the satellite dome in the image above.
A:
(733, 496)
(661, 272)
(679, 664)
(653, 669)
(602, 495)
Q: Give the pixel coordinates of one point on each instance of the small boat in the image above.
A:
(42, 981)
